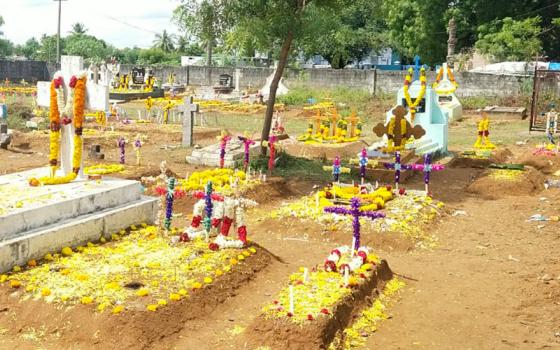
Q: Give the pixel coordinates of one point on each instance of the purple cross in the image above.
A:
(427, 168)
(398, 168)
(356, 213)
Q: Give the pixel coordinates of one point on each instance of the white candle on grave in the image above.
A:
(346, 276)
(362, 181)
(305, 275)
(353, 246)
(427, 189)
(291, 299)
(376, 184)
(264, 178)
(352, 183)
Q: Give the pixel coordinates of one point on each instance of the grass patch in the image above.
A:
(288, 166)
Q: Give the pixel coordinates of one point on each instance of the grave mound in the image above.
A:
(498, 183)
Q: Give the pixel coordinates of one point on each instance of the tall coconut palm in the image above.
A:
(78, 28)
(165, 41)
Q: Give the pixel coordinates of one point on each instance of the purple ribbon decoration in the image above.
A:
(398, 167)
(356, 213)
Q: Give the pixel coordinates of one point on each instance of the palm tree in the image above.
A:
(165, 41)
(182, 44)
(78, 28)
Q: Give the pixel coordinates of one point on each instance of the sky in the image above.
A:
(122, 23)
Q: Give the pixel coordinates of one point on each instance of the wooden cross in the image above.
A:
(317, 121)
(188, 108)
(352, 121)
(333, 118)
(398, 137)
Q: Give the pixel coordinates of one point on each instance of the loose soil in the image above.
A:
(493, 281)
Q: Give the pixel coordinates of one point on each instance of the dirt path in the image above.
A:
(483, 288)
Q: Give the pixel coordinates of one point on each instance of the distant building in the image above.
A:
(386, 59)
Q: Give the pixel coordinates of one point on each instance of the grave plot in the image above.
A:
(498, 182)
(123, 285)
(317, 306)
(406, 214)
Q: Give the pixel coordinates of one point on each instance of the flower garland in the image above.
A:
(363, 164)
(271, 144)
(391, 127)
(224, 138)
(247, 143)
(332, 263)
(121, 143)
(233, 208)
(77, 95)
(451, 78)
(208, 207)
(54, 137)
(169, 206)
(103, 169)
(407, 82)
(137, 145)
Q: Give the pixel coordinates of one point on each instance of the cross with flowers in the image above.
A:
(356, 213)
(247, 143)
(427, 168)
(224, 138)
(169, 192)
(271, 144)
(398, 167)
(363, 164)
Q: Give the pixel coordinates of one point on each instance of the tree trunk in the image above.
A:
(209, 49)
(282, 61)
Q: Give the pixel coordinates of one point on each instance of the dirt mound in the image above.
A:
(545, 164)
(498, 156)
(489, 187)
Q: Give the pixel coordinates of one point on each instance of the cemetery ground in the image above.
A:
(479, 277)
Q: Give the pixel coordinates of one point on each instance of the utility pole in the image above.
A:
(58, 32)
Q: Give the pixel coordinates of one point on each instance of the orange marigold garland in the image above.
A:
(54, 136)
(79, 87)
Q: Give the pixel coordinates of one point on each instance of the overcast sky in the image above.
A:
(120, 22)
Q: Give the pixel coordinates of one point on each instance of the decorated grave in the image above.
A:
(320, 303)
(445, 87)
(59, 206)
(229, 152)
(423, 110)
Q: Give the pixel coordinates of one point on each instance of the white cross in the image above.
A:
(188, 108)
(97, 98)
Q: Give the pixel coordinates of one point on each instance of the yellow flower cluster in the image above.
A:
(506, 175)
(107, 275)
(221, 181)
(322, 291)
(18, 90)
(103, 169)
(325, 106)
(221, 106)
(369, 319)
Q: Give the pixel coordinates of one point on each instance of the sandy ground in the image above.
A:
(493, 281)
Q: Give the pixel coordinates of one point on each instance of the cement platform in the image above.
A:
(39, 220)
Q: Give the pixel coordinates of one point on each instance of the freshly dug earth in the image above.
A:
(319, 333)
(530, 181)
(131, 329)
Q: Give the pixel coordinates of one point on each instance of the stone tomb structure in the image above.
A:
(447, 99)
(45, 219)
(235, 153)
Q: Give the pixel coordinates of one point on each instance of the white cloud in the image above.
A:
(119, 22)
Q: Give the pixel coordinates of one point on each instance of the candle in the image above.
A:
(291, 299)
(353, 245)
(347, 275)
(305, 275)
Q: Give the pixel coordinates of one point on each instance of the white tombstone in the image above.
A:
(238, 75)
(97, 98)
(448, 101)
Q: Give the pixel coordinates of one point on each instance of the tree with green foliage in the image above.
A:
(78, 28)
(47, 50)
(205, 21)
(6, 46)
(511, 40)
(354, 32)
(276, 24)
(87, 46)
(28, 50)
(165, 41)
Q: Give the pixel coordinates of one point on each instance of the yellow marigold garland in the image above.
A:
(78, 110)
(451, 79)
(407, 82)
(103, 169)
(54, 137)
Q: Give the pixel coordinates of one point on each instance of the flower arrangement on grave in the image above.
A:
(247, 143)
(412, 105)
(233, 215)
(427, 168)
(398, 167)
(207, 215)
(98, 275)
(222, 180)
(121, 143)
(271, 145)
(166, 109)
(332, 128)
(451, 78)
(103, 169)
(149, 103)
(101, 118)
(312, 295)
(224, 138)
(363, 164)
(336, 169)
(137, 146)
(74, 106)
(483, 140)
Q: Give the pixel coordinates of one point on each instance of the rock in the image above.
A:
(37, 120)
(31, 124)
(546, 278)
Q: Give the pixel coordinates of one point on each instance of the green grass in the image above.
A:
(288, 166)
